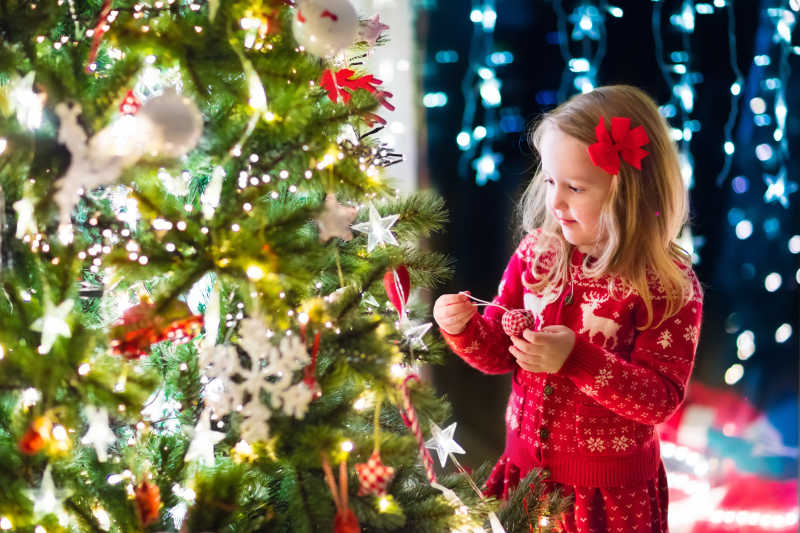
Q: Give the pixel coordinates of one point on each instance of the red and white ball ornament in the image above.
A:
(325, 27)
(516, 321)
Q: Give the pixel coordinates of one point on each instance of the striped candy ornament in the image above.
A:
(410, 419)
(516, 321)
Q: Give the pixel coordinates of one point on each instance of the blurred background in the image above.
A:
(726, 75)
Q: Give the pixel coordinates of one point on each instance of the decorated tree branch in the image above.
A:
(209, 300)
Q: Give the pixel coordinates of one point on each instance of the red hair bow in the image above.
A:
(627, 143)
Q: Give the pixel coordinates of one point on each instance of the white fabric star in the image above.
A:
(372, 30)
(377, 229)
(99, 434)
(203, 441)
(27, 104)
(26, 223)
(47, 499)
(414, 335)
(443, 442)
(370, 300)
(335, 220)
(53, 324)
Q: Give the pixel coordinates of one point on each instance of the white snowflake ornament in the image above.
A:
(297, 398)
(239, 387)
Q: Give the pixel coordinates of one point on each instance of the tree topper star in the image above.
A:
(377, 229)
(53, 324)
(335, 220)
(99, 434)
(203, 441)
(443, 442)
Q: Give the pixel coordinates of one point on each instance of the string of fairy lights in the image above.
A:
(728, 145)
(680, 80)
(767, 108)
(481, 89)
(588, 21)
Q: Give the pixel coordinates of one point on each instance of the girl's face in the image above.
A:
(576, 188)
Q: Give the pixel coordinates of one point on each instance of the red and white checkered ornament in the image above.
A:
(373, 475)
(516, 321)
(130, 105)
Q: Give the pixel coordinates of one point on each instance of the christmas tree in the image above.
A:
(192, 336)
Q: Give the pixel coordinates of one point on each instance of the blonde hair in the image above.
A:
(644, 211)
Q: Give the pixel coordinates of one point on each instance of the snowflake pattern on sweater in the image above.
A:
(593, 422)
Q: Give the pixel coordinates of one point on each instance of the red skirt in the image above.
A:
(629, 509)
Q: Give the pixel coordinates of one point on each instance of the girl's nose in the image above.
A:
(558, 199)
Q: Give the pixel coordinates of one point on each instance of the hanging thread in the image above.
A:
(483, 302)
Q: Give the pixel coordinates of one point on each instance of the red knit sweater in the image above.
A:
(593, 422)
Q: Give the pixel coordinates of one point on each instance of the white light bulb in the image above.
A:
(773, 281)
(734, 374)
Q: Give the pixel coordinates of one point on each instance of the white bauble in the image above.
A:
(128, 138)
(324, 27)
(176, 120)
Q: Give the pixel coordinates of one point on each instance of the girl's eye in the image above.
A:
(575, 189)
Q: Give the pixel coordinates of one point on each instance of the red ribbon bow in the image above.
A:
(627, 143)
(343, 82)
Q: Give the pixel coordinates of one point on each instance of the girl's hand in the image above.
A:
(453, 311)
(543, 351)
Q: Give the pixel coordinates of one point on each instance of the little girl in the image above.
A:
(617, 311)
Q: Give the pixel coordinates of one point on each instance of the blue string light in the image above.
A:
(728, 146)
(766, 136)
(589, 29)
(682, 93)
(778, 186)
(482, 92)
(681, 81)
